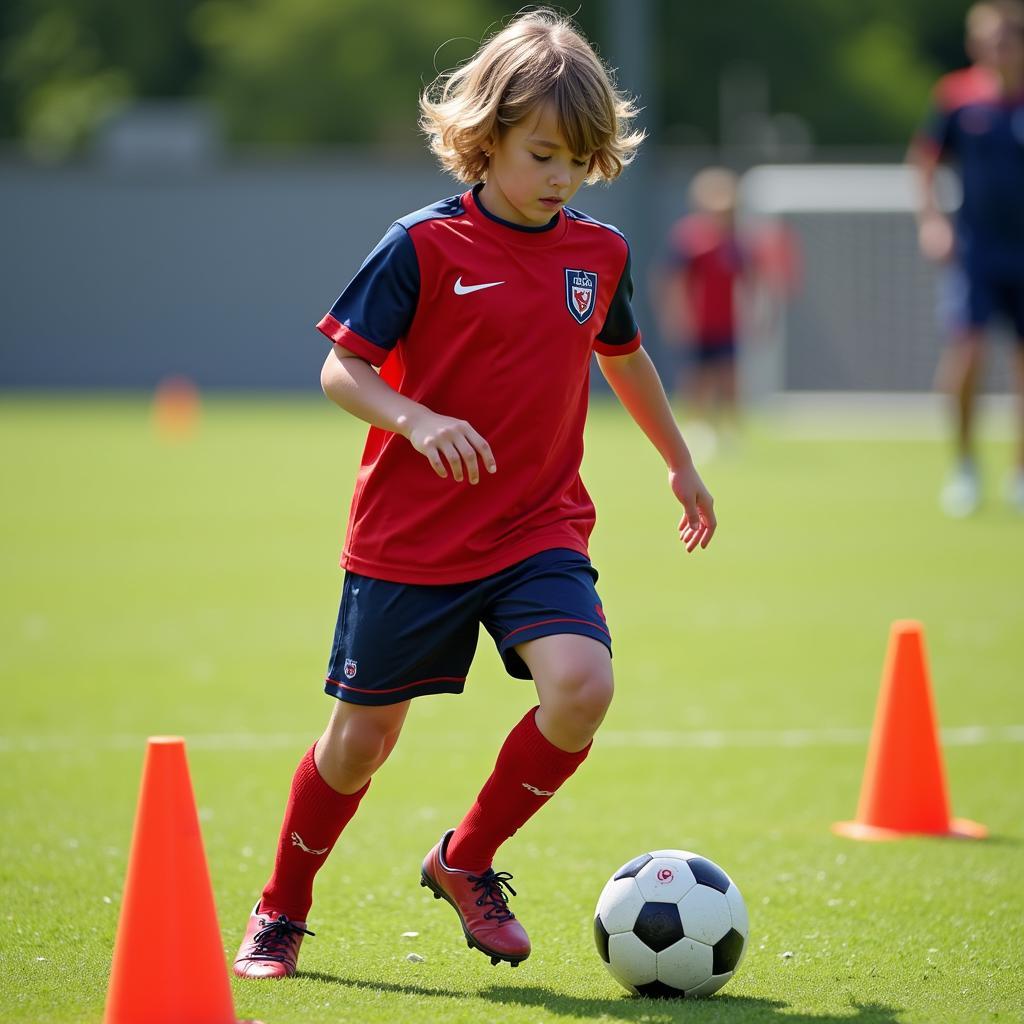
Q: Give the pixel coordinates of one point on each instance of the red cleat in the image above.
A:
(270, 948)
(481, 904)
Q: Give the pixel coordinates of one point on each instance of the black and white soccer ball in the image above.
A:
(670, 924)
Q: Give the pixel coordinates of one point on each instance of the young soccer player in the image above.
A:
(482, 313)
(977, 121)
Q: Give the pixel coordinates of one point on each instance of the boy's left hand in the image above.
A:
(698, 524)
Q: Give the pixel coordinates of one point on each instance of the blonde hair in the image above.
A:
(538, 57)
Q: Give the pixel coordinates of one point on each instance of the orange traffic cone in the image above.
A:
(169, 965)
(904, 787)
(176, 407)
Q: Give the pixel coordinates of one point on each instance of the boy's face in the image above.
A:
(532, 174)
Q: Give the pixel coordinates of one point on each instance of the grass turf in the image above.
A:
(166, 588)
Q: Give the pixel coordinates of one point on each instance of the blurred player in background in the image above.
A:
(711, 269)
(977, 122)
(697, 294)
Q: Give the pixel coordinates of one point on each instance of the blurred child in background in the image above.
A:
(698, 293)
(711, 270)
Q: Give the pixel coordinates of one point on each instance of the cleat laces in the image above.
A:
(492, 885)
(275, 940)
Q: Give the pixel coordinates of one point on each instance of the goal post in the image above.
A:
(867, 314)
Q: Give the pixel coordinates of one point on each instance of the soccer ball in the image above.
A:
(671, 924)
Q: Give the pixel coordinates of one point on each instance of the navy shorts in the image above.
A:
(712, 350)
(972, 296)
(394, 641)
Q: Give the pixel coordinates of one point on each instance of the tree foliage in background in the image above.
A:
(858, 71)
(65, 63)
(300, 72)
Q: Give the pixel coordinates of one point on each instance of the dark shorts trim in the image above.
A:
(514, 664)
(422, 687)
(538, 629)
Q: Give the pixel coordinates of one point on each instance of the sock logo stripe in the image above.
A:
(538, 792)
(297, 841)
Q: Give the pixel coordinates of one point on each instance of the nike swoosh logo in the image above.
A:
(465, 289)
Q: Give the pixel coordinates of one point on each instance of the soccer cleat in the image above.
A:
(482, 905)
(270, 948)
(961, 494)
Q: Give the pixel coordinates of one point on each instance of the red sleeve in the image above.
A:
(348, 339)
(619, 350)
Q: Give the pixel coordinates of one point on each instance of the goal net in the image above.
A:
(867, 313)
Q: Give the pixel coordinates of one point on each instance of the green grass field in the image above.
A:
(191, 588)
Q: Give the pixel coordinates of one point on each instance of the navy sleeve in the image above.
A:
(937, 130)
(620, 334)
(378, 304)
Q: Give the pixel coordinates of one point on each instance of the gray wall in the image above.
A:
(115, 278)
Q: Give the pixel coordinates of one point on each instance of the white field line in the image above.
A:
(708, 739)
(874, 416)
(961, 736)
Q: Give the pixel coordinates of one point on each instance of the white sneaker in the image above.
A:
(1015, 491)
(961, 494)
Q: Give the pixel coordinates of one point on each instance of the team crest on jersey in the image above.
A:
(350, 668)
(580, 293)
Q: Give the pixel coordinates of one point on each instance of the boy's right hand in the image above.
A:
(444, 439)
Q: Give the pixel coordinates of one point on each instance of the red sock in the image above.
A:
(313, 820)
(528, 772)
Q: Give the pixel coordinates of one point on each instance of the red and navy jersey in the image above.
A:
(982, 131)
(495, 324)
(713, 261)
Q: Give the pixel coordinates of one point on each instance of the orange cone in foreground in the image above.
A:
(169, 965)
(904, 788)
